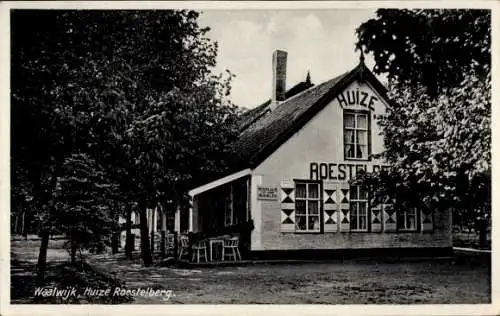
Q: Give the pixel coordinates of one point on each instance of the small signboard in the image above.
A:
(267, 193)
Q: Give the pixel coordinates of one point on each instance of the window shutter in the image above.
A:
(287, 206)
(330, 214)
(376, 215)
(426, 220)
(345, 225)
(390, 224)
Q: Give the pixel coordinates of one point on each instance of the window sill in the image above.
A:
(357, 159)
(307, 232)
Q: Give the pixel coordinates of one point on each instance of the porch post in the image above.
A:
(231, 203)
(153, 229)
(177, 220)
(248, 204)
(193, 214)
(190, 213)
(163, 217)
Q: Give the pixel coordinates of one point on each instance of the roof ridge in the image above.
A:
(253, 125)
(263, 108)
(311, 88)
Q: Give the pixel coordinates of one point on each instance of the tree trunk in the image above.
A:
(44, 196)
(42, 258)
(26, 225)
(129, 242)
(23, 225)
(483, 229)
(145, 250)
(115, 239)
(482, 238)
(74, 248)
(16, 224)
(153, 242)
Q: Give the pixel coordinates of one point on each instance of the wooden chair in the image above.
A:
(199, 249)
(183, 246)
(170, 242)
(230, 249)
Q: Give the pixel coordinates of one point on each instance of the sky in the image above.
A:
(319, 41)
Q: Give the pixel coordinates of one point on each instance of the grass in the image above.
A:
(59, 274)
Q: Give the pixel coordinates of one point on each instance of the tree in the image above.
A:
(164, 116)
(437, 130)
(132, 89)
(84, 207)
(43, 125)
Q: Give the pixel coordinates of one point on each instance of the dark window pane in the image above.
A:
(300, 207)
(300, 222)
(313, 207)
(362, 208)
(313, 190)
(354, 222)
(363, 194)
(354, 192)
(362, 137)
(349, 120)
(361, 151)
(353, 208)
(401, 220)
(300, 191)
(349, 151)
(349, 137)
(362, 222)
(314, 222)
(362, 121)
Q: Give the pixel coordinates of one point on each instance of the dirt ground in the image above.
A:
(348, 282)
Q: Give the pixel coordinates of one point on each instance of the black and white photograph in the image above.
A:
(277, 153)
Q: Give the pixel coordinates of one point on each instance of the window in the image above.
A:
(407, 219)
(359, 209)
(356, 135)
(307, 207)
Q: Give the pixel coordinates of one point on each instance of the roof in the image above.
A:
(250, 116)
(268, 132)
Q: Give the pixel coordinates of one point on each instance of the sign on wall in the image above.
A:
(341, 171)
(267, 193)
(357, 97)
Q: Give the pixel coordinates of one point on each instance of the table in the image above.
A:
(212, 242)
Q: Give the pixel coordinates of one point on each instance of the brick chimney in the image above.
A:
(279, 78)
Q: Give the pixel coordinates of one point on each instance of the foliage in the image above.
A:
(437, 131)
(435, 48)
(133, 91)
(85, 208)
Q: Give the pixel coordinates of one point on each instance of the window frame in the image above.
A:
(357, 201)
(355, 129)
(403, 213)
(307, 199)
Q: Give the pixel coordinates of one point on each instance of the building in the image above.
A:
(290, 182)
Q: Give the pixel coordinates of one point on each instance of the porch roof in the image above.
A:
(219, 182)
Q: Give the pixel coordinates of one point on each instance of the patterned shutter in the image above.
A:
(330, 214)
(345, 225)
(287, 206)
(376, 215)
(426, 220)
(389, 215)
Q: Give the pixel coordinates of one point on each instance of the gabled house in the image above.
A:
(292, 167)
